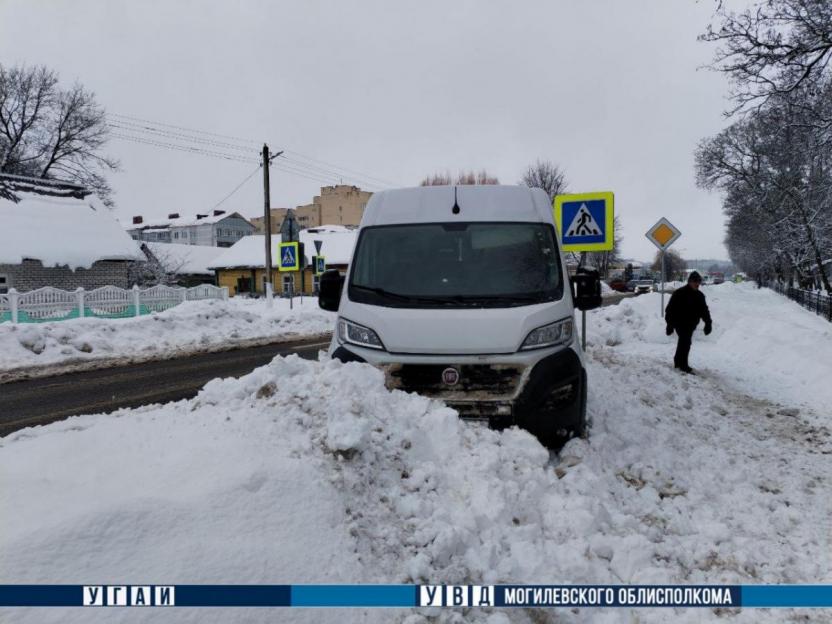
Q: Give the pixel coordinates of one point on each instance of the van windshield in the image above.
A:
(456, 265)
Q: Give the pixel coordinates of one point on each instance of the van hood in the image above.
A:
(466, 331)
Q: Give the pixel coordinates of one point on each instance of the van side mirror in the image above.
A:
(331, 285)
(586, 289)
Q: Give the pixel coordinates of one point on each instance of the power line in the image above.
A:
(280, 165)
(237, 188)
(183, 148)
(311, 165)
(337, 175)
(364, 175)
(131, 127)
(191, 130)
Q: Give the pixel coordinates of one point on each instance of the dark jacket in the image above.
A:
(687, 305)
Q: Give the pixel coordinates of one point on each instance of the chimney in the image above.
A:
(219, 212)
(137, 220)
(173, 215)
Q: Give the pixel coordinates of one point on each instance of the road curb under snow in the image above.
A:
(79, 365)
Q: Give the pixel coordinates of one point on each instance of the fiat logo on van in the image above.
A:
(450, 376)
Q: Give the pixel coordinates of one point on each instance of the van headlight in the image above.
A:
(549, 335)
(358, 334)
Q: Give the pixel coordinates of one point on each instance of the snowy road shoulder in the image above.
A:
(306, 471)
(195, 326)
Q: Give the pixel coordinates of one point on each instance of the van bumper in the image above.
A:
(543, 392)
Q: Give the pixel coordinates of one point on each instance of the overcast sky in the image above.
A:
(609, 90)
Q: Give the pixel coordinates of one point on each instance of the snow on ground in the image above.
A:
(314, 472)
(192, 326)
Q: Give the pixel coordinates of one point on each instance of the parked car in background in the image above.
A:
(643, 286)
(718, 278)
(618, 284)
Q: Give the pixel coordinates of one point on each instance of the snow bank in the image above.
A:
(314, 472)
(761, 340)
(189, 327)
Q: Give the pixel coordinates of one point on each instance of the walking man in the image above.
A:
(683, 313)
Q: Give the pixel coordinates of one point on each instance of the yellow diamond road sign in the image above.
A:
(663, 234)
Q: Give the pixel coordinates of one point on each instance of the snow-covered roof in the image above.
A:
(337, 243)
(181, 221)
(185, 259)
(62, 231)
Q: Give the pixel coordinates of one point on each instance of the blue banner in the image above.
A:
(409, 596)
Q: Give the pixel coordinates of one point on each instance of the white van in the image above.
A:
(461, 293)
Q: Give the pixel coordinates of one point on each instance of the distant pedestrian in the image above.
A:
(683, 313)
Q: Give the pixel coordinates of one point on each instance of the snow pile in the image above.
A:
(189, 327)
(314, 472)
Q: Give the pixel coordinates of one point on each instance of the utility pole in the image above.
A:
(267, 222)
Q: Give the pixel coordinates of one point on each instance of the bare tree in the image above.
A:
(603, 260)
(545, 175)
(161, 267)
(464, 178)
(773, 48)
(674, 265)
(52, 133)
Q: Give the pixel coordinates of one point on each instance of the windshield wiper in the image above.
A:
(386, 293)
(501, 298)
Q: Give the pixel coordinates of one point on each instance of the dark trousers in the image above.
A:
(680, 360)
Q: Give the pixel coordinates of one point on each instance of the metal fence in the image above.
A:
(811, 300)
(53, 304)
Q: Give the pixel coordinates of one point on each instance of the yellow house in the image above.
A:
(241, 268)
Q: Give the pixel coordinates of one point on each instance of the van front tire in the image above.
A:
(555, 412)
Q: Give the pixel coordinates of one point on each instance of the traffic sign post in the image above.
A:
(585, 221)
(289, 229)
(288, 259)
(663, 234)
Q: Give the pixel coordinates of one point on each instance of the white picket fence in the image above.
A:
(53, 304)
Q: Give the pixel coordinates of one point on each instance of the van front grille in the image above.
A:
(430, 379)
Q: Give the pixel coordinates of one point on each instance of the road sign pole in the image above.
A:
(661, 311)
(583, 330)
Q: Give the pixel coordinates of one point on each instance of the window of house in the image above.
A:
(288, 284)
(176, 234)
(5, 283)
(316, 284)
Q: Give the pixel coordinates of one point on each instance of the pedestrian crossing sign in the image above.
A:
(585, 221)
(288, 257)
(319, 262)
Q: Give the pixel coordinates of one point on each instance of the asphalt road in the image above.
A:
(41, 401)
